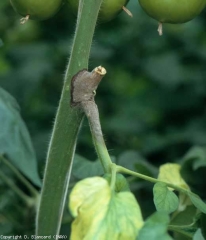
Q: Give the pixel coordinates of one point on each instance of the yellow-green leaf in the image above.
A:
(103, 214)
(170, 173)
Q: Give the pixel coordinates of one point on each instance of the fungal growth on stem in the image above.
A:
(83, 90)
(84, 85)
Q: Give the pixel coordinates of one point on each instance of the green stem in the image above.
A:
(150, 179)
(113, 179)
(92, 113)
(67, 124)
(19, 176)
(29, 201)
(187, 230)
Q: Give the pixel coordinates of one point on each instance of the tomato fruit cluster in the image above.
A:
(173, 11)
(36, 9)
(109, 9)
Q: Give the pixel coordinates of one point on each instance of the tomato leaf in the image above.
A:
(83, 168)
(15, 141)
(197, 201)
(164, 199)
(188, 216)
(103, 214)
(185, 222)
(197, 156)
(134, 161)
(198, 235)
(170, 173)
(155, 228)
(187, 231)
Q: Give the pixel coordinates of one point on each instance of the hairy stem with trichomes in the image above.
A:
(66, 127)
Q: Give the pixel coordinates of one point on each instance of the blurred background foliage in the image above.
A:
(151, 102)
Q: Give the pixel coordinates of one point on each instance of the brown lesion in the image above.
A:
(84, 85)
(73, 100)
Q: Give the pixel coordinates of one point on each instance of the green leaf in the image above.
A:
(185, 223)
(197, 156)
(83, 168)
(134, 161)
(194, 168)
(197, 201)
(170, 173)
(186, 217)
(186, 231)
(15, 141)
(103, 214)
(164, 199)
(198, 235)
(155, 228)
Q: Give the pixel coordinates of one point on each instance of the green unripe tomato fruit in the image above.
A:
(109, 9)
(173, 11)
(121, 184)
(36, 9)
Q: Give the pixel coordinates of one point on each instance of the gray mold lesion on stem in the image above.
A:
(83, 90)
(84, 85)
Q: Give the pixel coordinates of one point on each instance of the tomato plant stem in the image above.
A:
(113, 179)
(150, 179)
(92, 113)
(83, 90)
(66, 127)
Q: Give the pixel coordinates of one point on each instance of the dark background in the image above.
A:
(151, 101)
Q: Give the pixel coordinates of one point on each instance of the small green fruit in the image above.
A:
(36, 9)
(109, 9)
(173, 11)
